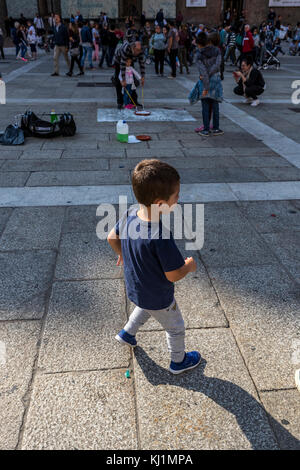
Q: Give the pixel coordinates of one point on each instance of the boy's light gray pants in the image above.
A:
(170, 319)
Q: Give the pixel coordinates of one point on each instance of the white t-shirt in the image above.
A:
(95, 34)
(31, 37)
(39, 23)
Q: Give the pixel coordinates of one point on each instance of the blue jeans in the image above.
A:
(23, 50)
(126, 99)
(208, 106)
(87, 51)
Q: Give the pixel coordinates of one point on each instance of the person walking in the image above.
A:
(32, 39)
(87, 45)
(39, 24)
(183, 48)
(152, 261)
(104, 39)
(74, 49)
(231, 47)
(158, 43)
(112, 44)
(61, 44)
(160, 18)
(23, 41)
(96, 41)
(173, 39)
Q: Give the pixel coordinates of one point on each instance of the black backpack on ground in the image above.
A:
(33, 126)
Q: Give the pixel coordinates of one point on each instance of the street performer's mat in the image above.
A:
(114, 115)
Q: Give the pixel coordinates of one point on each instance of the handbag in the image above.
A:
(74, 52)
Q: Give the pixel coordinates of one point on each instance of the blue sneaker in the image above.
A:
(125, 338)
(191, 360)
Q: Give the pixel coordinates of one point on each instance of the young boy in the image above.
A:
(152, 261)
(209, 63)
(130, 73)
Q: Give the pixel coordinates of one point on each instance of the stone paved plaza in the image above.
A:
(62, 297)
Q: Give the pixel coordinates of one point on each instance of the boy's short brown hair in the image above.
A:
(152, 180)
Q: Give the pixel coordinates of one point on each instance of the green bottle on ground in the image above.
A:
(122, 131)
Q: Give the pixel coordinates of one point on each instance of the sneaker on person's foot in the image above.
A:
(24, 60)
(171, 76)
(255, 103)
(248, 100)
(217, 132)
(191, 360)
(199, 129)
(54, 74)
(125, 338)
(297, 379)
(204, 133)
(69, 74)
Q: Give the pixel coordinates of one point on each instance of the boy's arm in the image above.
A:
(115, 242)
(178, 274)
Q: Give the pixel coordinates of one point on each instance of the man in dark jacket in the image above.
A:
(250, 82)
(160, 18)
(132, 51)
(61, 41)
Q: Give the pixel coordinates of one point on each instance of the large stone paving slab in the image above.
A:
(5, 213)
(18, 347)
(25, 280)
(283, 406)
(272, 216)
(13, 179)
(262, 305)
(92, 410)
(33, 228)
(84, 256)
(77, 178)
(81, 325)
(214, 406)
(287, 248)
(56, 165)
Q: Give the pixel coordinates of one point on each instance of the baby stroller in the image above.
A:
(271, 59)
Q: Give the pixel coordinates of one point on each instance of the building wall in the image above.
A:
(210, 15)
(257, 10)
(151, 7)
(16, 7)
(90, 8)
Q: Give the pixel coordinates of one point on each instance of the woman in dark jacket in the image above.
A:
(74, 49)
(250, 82)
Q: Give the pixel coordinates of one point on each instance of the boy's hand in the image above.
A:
(120, 261)
(205, 93)
(123, 83)
(191, 264)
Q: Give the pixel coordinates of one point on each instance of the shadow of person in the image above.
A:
(250, 415)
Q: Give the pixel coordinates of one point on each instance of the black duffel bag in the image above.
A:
(33, 126)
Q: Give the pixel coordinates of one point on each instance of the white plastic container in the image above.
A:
(122, 131)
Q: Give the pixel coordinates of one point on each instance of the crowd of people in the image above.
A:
(90, 43)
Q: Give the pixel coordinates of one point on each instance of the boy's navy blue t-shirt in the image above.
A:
(147, 255)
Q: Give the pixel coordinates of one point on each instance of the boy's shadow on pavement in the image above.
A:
(250, 415)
